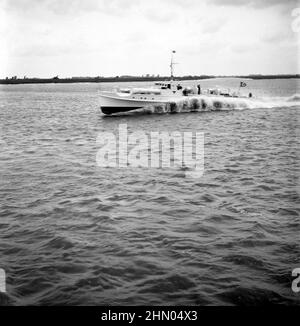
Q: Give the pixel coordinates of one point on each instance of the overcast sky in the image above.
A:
(44, 38)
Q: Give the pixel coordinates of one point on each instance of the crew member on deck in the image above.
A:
(199, 89)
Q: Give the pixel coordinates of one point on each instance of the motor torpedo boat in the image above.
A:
(126, 99)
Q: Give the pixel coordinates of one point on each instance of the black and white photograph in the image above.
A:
(149, 155)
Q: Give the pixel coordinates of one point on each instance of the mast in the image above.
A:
(172, 65)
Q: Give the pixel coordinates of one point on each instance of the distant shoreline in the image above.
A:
(56, 80)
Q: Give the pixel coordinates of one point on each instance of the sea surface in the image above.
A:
(74, 233)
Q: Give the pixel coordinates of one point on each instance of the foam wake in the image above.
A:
(209, 103)
(294, 98)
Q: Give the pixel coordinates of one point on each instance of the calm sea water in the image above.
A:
(72, 233)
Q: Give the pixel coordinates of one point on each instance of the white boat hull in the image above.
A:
(110, 103)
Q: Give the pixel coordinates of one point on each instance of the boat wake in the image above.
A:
(209, 103)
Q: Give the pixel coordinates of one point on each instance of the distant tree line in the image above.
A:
(56, 79)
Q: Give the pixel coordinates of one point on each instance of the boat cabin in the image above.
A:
(165, 85)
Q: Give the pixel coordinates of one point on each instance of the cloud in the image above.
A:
(277, 38)
(159, 16)
(273, 38)
(253, 3)
(214, 25)
(244, 47)
(69, 7)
